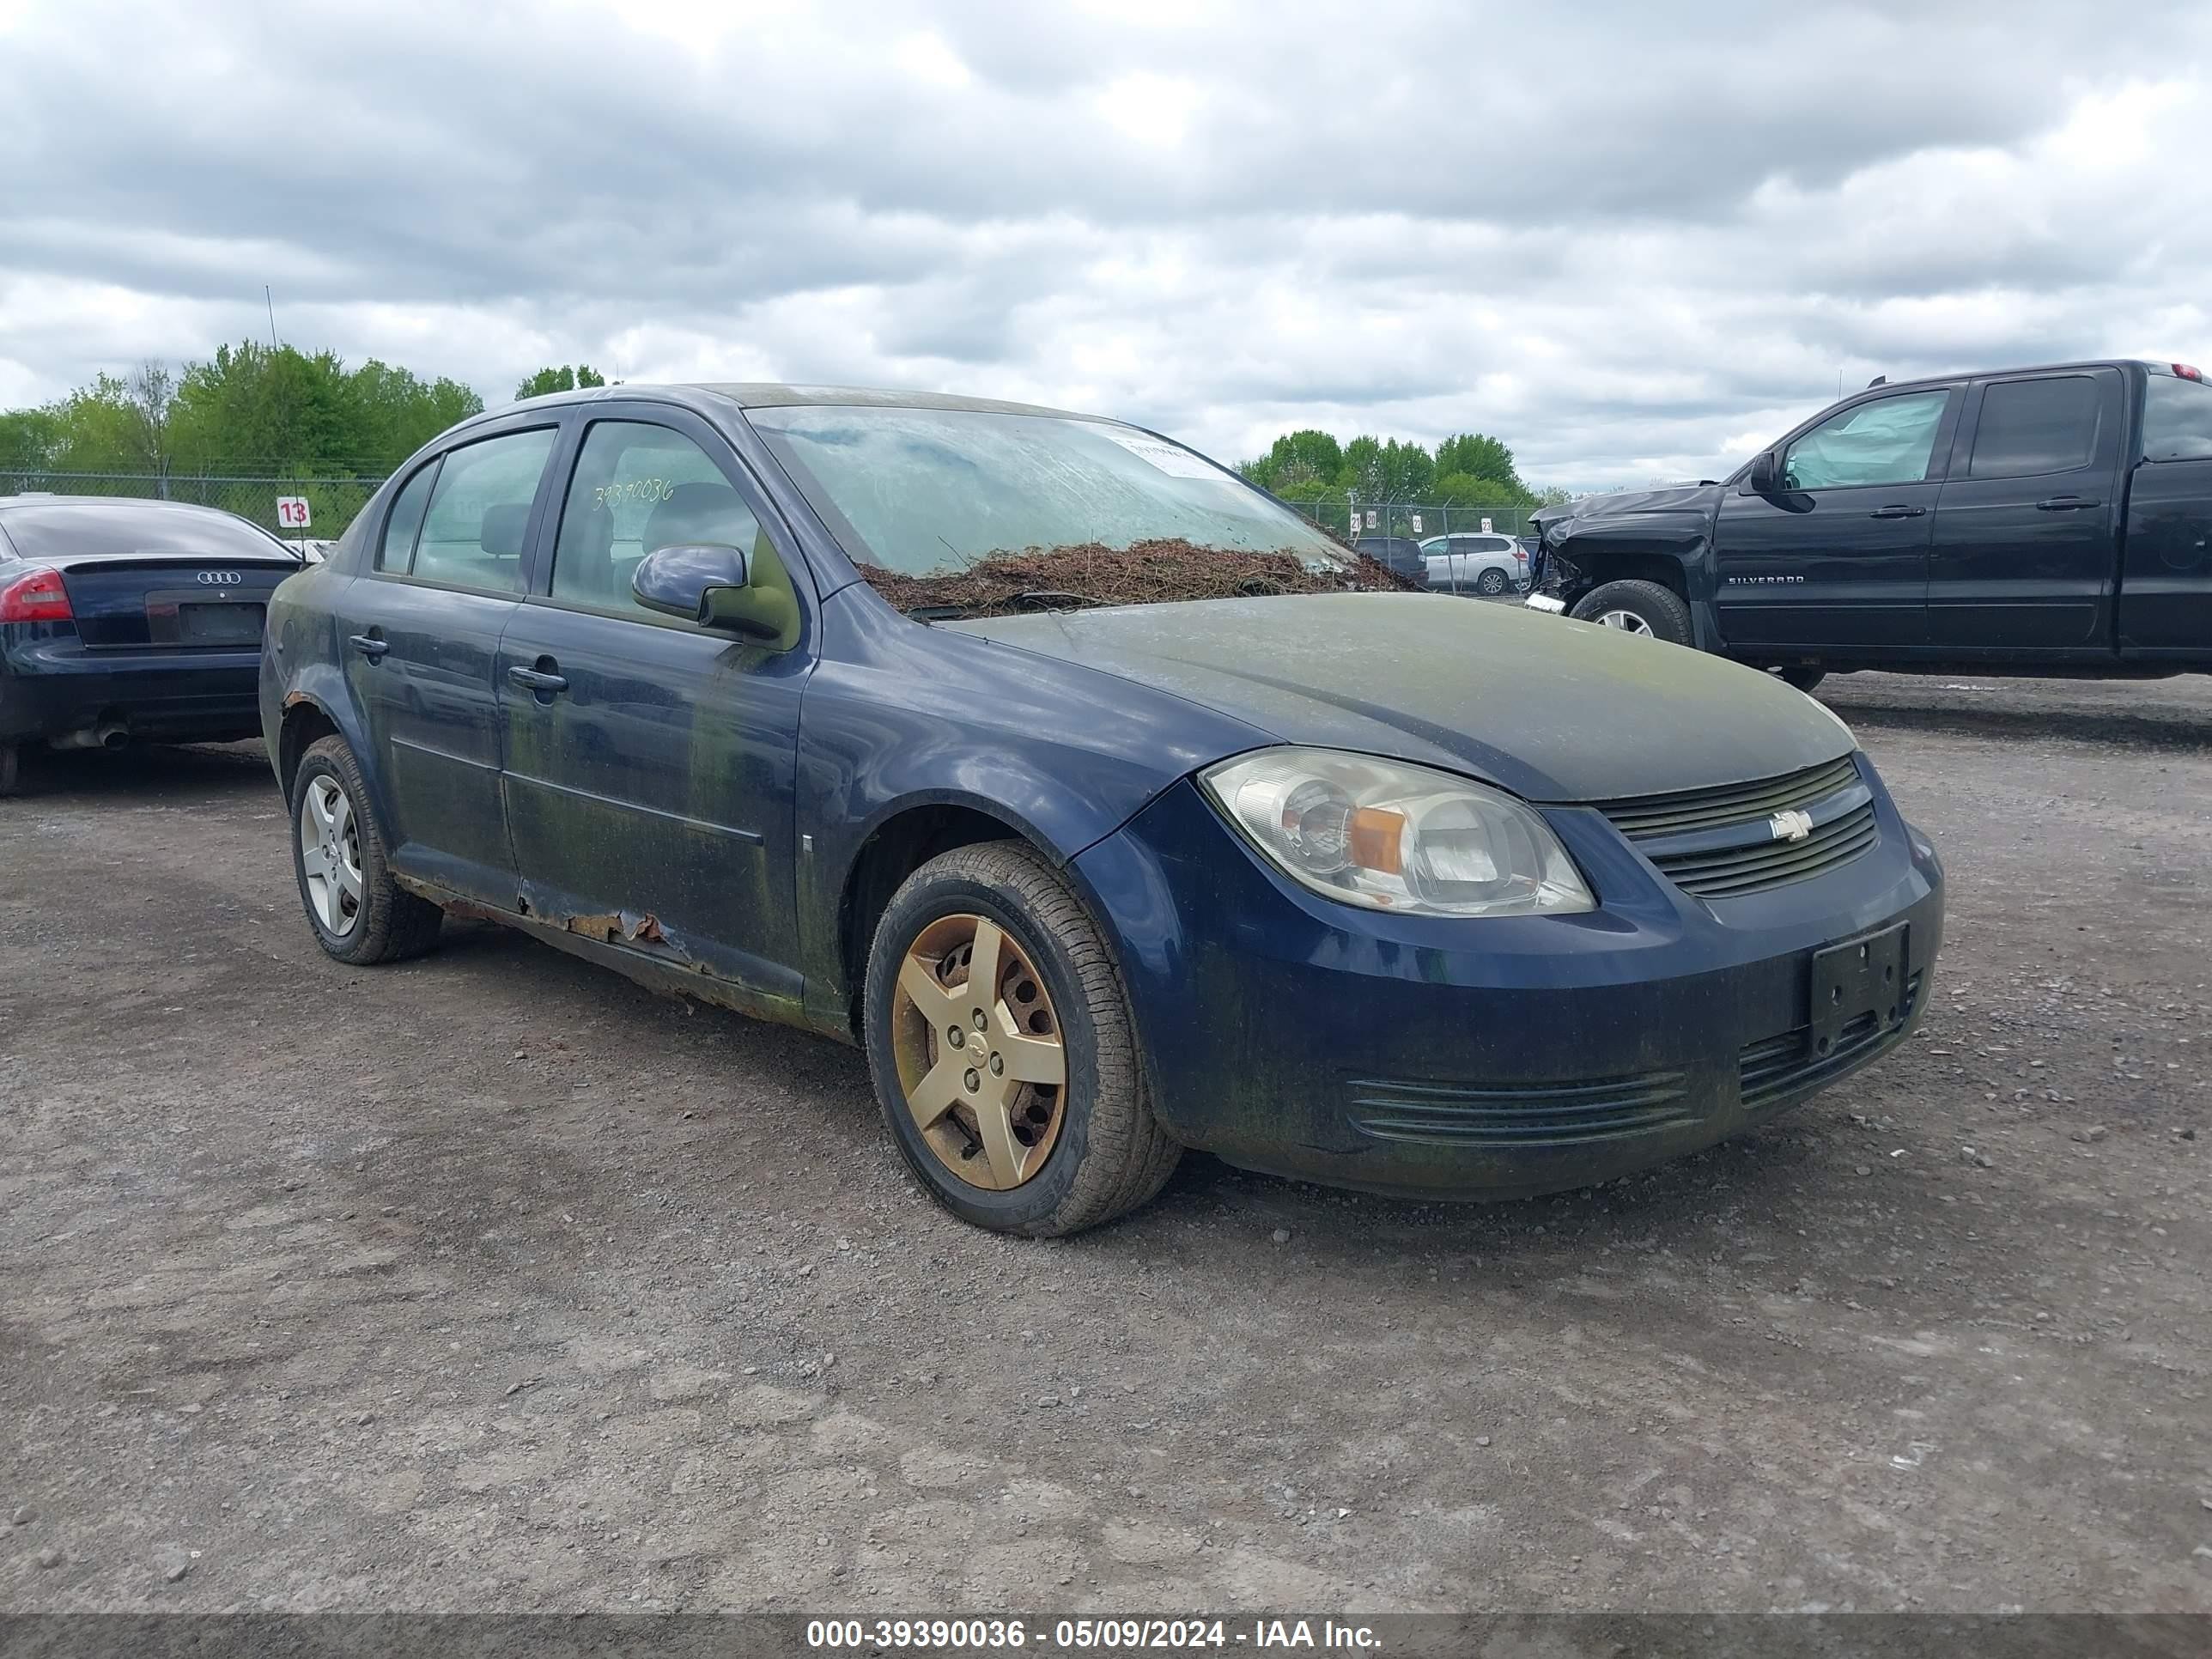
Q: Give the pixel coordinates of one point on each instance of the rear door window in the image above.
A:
(1887, 442)
(2177, 420)
(479, 511)
(2029, 427)
(637, 489)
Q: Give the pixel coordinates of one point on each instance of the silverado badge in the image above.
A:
(1791, 825)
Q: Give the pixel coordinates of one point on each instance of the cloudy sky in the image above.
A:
(1633, 244)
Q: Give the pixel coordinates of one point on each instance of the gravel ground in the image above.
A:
(491, 1281)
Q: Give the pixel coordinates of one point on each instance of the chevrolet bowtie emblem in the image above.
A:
(1792, 825)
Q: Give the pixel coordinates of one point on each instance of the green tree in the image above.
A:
(30, 439)
(1479, 456)
(562, 377)
(1299, 466)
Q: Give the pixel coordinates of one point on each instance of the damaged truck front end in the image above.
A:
(1599, 557)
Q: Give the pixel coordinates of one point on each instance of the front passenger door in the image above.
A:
(1838, 557)
(651, 763)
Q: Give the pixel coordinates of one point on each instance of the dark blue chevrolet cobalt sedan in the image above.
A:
(1106, 805)
(123, 619)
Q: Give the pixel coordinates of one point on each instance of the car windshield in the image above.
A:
(1042, 506)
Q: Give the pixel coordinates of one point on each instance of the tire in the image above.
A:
(11, 768)
(1803, 678)
(1492, 582)
(1659, 611)
(387, 922)
(1104, 1152)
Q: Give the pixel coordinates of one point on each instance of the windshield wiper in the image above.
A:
(1050, 599)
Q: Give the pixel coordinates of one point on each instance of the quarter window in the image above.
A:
(2029, 427)
(2177, 420)
(636, 489)
(396, 552)
(479, 511)
(1887, 442)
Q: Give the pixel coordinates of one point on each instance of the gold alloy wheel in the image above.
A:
(980, 1057)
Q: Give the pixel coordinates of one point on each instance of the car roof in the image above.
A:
(2023, 368)
(40, 500)
(774, 394)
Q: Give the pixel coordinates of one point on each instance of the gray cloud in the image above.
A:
(1627, 246)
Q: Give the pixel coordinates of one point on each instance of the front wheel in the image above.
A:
(1803, 678)
(360, 914)
(1638, 607)
(1004, 1058)
(1491, 583)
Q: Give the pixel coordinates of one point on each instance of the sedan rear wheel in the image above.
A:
(360, 914)
(999, 1040)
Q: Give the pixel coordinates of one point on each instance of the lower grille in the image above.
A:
(1526, 1116)
(1775, 1066)
(1738, 840)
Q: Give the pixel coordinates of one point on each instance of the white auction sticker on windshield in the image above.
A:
(1174, 462)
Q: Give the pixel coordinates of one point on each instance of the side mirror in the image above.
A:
(697, 581)
(1765, 477)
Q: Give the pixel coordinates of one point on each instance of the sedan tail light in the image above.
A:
(39, 597)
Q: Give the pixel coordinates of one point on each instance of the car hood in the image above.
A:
(1551, 710)
(1696, 500)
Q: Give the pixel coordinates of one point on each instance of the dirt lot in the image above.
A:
(491, 1281)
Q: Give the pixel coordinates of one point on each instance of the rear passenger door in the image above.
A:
(651, 763)
(420, 634)
(2026, 550)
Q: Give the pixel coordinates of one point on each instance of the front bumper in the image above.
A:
(50, 686)
(1436, 1058)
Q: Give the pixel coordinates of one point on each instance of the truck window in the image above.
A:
(1887, 442)
(2029, 427)
(2177, 420)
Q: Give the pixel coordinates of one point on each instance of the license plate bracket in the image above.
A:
(1860, 976)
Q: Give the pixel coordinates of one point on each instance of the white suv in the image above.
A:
(1475, 562)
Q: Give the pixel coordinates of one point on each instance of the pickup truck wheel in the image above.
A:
(1638, 607)
(1491, 583)
(360, 914)
(1803, 678)
(998, 1037)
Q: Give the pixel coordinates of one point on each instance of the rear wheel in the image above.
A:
(360, 914)
(998, 1036)
(1491, 583)
(1803, 678)
(1638, 607)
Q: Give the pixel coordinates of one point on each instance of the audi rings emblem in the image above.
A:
(219, 578)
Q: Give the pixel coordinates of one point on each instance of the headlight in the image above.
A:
(1397, 837)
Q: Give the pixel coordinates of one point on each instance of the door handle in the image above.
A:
(370, 646)
(2066, 504)
(532, 679)
(1899, 511)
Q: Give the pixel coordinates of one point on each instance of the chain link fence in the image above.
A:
(332, 502)
(1352, 518)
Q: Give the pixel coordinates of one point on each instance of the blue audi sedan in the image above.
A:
(125, 619)
(1106, 805)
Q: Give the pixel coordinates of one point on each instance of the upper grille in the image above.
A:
(1721, 843)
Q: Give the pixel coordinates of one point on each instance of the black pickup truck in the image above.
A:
(2029, 521)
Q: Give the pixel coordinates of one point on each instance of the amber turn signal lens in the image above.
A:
(1377, 840)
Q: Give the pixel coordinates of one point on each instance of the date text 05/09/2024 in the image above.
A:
(1085, 1635)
